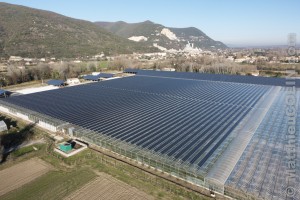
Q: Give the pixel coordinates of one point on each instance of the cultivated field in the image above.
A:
(108, 188)
(22, 173)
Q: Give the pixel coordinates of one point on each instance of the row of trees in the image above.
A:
(17, 75)
(204, 64)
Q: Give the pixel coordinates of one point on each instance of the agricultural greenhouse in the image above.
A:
(224, 132)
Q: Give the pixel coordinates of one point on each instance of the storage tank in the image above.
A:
(65, 147)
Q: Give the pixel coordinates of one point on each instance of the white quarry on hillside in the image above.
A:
(138, 38)
(190, 48)
(165, 49)
(160, 47)
(169, 34)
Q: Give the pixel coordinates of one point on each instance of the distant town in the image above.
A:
(255, 62)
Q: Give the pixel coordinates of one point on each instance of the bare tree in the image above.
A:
(121, 63)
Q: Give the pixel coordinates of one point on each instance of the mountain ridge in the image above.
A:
(166, 37)
(30, 32)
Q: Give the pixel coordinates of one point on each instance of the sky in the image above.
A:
(234, 22)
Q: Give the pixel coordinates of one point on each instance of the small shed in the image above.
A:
(58, 83)
(3, 126)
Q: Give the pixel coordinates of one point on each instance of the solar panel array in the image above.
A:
(215, 77)
(186, 120)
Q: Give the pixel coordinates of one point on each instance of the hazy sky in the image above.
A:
(237, 22)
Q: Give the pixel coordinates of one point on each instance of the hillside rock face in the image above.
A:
(164, 38)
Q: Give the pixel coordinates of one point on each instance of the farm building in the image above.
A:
(91, 77)
(223, 132)
(98, 77)
(72, 81)
(4, 93)
(57, 83)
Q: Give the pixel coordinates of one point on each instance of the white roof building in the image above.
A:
(72, 81)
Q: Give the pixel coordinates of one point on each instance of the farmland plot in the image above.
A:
(108, 188)
(22, 173)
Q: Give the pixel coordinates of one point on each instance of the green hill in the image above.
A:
(169, 38)
(37, 33)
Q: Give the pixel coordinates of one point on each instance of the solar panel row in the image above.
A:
(215, 77)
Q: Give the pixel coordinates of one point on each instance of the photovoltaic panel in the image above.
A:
(184, 119)
(216, 77)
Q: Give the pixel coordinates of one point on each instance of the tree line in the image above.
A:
(16, 74)
(204, 64)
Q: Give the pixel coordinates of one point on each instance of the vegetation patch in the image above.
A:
(26, 150)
